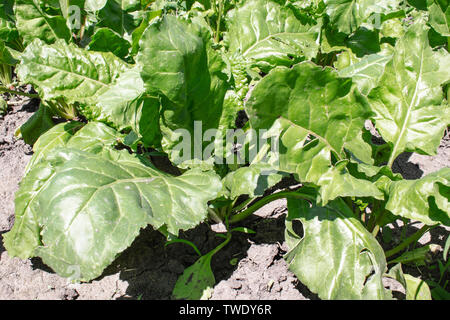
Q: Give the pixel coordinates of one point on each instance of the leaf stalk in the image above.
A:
(19, 93)
(414, 238)
(261, 203)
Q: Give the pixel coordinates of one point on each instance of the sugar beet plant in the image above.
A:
(138, 80)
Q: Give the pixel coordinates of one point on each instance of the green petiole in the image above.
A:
(261, 203)
(19, 93)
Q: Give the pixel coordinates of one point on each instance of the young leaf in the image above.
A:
(191, 285)
(417, 257)
(197, 280)
(416, 289)
(39, 123)
(337, 258)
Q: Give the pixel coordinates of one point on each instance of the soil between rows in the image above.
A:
(250, 267)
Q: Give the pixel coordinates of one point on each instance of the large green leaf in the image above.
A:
(5, 55)
(8, 30)
(416, 288)
(83, 208)
(34, 23)
(408, 101)
(53, 138)
(271, 34)
(367, 72)
(125, 105)
(139, 31)
(180, 66)
(425, 199)
(106, 40)
(95, 5)
(110, 210)
(65, 71)
(313, 99)
(94, 138)
(439, 11)
(7, 9)
(313, 114)
(348, 15)
(252, 180)
(337, 258)
(120, 16)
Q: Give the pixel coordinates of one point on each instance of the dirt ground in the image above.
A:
(250, 267)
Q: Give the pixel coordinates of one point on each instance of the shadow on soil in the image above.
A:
(151, 269)
(430, 270)
(408, 170)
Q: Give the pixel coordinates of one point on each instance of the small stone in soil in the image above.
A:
(70, 294)
(28, 150)
(235, 284)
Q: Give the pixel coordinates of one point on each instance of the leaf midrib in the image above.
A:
(324, 140)
(45, 19)
(72, 73)
(408, 113)
(103, 187)
(270, 36)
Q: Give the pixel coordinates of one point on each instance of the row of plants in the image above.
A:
(121, 83)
